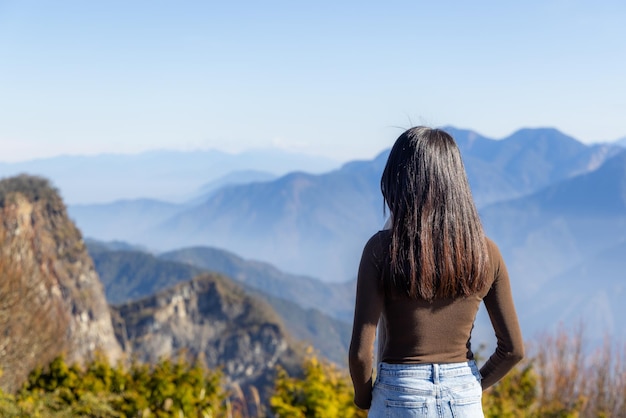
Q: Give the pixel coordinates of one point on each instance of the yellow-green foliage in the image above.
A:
(555, 382)
(514, 396)
(167, 389)
(323, 392)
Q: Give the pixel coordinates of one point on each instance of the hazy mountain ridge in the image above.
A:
(232, 179)
(547, 236)
(131, 275)
(335, 299)
(598, 197)
(600, 284)
(525, 161)
(298, 219)
(158, 175)
(582, 195)
(293, 222)
(124, 220)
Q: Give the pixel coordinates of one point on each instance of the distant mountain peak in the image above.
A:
(469, 136)
(539, 130)
(552, 135)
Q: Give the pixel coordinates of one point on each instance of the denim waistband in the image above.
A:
(427, 370)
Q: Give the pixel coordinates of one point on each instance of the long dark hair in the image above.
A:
(438, 248)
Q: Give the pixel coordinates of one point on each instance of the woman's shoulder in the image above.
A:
(496, 261)
(492, 248)
(378, 243)
(380, 238)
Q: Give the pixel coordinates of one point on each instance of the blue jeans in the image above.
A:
(427, 390)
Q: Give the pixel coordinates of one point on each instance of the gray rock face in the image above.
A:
(213, 319)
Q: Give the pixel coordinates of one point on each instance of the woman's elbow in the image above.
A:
(356, 359)
(518, 353)
(359, 360)
(512, 354)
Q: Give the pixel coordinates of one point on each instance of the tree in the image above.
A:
(324, 391)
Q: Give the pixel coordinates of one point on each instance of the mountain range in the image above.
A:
(563, 243)
(316, 224)
(524, 162)
(562, 224)
(553, 205)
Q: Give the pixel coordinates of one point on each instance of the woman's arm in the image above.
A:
(499, 303)
(367, 310)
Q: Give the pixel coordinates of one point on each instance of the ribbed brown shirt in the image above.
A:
(418, 331)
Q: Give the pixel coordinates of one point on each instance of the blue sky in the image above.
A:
(339, 79)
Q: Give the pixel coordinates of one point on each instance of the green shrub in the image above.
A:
(323, 392)
(166, 389)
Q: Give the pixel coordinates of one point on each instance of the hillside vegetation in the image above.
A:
(557, 380)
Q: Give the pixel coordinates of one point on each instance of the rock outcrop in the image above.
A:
(211, 318)
(51, 299)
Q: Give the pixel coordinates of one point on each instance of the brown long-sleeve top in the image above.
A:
(418, 331)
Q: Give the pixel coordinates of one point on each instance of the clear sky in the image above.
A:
(334, 78)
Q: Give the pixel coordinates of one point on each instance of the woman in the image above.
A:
(424, 279)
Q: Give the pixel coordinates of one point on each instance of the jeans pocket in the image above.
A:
(466, 400)
(467, 407)
(405, 409)
(400, 398)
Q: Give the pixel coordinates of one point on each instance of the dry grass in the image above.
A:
(576, 380)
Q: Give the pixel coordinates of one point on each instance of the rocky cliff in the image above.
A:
(51, 300)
